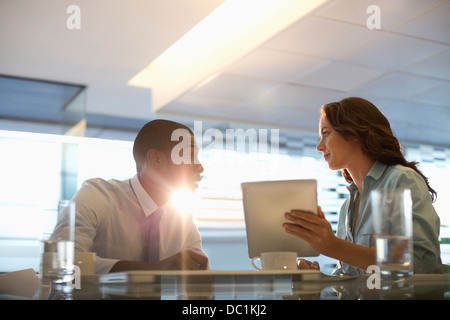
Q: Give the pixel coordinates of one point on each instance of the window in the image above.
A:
(35, 170)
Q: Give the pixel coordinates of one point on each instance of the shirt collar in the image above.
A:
(377, 170)
(375, 173)
(148, 205)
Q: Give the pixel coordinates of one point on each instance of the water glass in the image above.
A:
(57, 258)
(392, 221)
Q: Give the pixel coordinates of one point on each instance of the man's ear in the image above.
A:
(154, 158)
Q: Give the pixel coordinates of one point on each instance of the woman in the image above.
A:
(356, 137)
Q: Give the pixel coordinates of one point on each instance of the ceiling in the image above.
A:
(404, 68)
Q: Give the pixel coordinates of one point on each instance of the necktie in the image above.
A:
(151, 230)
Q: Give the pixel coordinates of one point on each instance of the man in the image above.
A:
(112, 216)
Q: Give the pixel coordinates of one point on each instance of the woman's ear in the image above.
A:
(353, 138)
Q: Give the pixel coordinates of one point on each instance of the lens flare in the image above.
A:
(184, 201)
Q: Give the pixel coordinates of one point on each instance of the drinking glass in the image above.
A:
(392, 221)
(57, 258)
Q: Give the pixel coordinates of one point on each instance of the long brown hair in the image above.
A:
(357, 117)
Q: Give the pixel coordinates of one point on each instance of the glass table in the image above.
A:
(247, 285)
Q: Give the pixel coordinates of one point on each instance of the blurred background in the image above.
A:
(77, 83)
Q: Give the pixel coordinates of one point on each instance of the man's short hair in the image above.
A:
(155, 134)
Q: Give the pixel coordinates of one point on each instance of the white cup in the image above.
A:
(86, 262)
(276, 261)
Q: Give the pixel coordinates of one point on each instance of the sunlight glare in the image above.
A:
(185, 201)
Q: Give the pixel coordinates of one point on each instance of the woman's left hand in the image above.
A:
(314, 229)
(305, 264)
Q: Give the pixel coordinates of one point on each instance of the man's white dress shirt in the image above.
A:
(110, 222)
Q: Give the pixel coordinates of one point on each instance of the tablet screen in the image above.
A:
(265, 203)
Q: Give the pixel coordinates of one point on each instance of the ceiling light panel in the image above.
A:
(232, 30)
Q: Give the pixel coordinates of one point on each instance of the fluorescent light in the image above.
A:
(235, 28)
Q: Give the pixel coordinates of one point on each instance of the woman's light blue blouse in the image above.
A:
(426, 223)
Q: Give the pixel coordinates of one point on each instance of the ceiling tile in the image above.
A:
(439, 96)
(392, 13)
(107, 52)
(438, 30)
(437, 66)
(392, 52)
(297, 118)
(338, 76)
(192, 105)
(399, 85)
(194, 99)
(273, 65)
(301, 97)
(429, 123)
(321, 37)
(234, 88)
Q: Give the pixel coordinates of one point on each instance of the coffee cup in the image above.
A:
(276, 261)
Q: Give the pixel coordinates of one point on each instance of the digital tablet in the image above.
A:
(265, 204)
(153, 276)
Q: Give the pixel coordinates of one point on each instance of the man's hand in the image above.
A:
(187, 259)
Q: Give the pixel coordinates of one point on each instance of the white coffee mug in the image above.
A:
(276, 261)
(86, 262)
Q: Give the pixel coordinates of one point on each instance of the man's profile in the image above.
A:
(116, 218)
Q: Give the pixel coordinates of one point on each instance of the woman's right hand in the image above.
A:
(314, 229)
